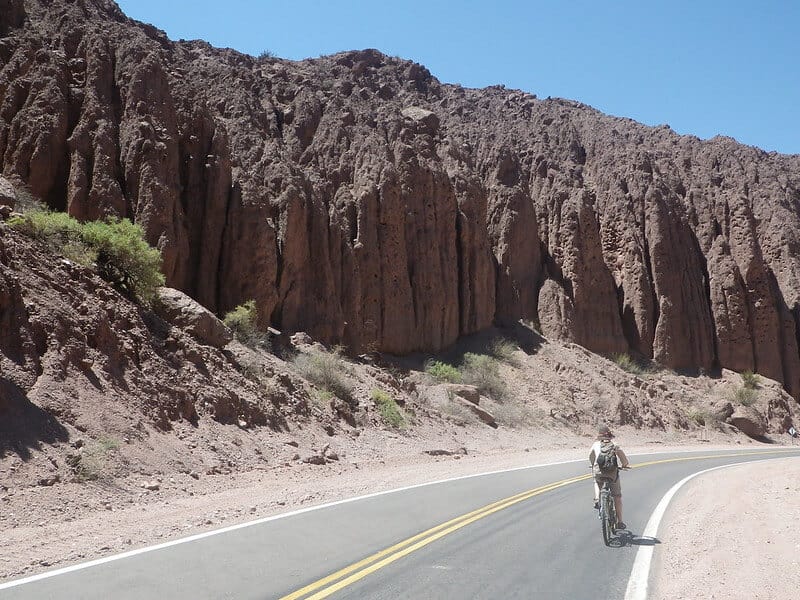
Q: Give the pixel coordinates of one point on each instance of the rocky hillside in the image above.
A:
(359, 199)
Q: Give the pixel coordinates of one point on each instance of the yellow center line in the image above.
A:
(471, 516)
(356, 571)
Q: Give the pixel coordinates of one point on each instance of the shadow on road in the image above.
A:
(626, 538)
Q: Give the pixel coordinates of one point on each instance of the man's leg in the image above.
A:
(618, 507)
(596, 494)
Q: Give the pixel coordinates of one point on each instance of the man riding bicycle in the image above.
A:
(604, 445)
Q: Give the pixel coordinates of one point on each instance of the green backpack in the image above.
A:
(606, 459)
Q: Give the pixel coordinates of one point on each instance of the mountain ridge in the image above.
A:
(615, 235)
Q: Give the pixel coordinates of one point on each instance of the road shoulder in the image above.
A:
(732, 533)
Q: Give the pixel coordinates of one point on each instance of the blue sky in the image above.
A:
(704, 67)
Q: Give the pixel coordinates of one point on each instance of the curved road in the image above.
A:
(524, 533)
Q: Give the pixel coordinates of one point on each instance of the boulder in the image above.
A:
(467, 392)
(749, 421)
(422, 119)
(482, 414)
(182, 311)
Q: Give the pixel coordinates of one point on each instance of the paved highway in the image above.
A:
(526, 533)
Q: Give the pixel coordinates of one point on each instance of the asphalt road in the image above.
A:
(527, 533)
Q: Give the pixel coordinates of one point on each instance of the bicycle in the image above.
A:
(607, 512)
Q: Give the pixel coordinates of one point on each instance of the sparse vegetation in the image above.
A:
(503, 350)
(629, 364)
(517, 414)
(457, 412)
(388, 409)
(746, 396)
(107, 444)
(266, 54)
(90, 464)
(325, 370)
(698, 416)
(118, 248)
(442, 371)
(243, 321)
(58, 231)
(750, 380)
(483, 372)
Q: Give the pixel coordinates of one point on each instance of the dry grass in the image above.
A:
(326, 370)
(483, 372)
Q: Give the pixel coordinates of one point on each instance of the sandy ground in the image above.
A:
(726, 554)
(732, 533)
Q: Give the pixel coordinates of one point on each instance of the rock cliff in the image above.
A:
(358, 198)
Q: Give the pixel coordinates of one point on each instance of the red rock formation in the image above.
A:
(357, 198)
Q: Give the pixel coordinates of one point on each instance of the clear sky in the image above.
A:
(704, 67)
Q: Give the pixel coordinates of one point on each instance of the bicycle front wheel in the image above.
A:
(606, 516)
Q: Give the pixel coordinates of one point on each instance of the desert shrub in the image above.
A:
(90, 465)
(388, 409)
(746, 396)
(325, 369)
(503, 350)
(106, 444)
(750, 380)
(266, 54)
(243, 322)
(627, 363)
(483, 372)
(58, 231)
(442, 371)
(124, 258)
(518, 415)
(119, 249)
(698, 416)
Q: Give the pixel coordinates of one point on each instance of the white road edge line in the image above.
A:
(640, 573)
(199, 536)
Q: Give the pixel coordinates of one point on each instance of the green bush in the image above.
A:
(483, 372)
(118, 247)
(325, 370)
(750, 380)
(58, 231)
(124, 258)
(388, 409)
(243, 321)
(442, 371)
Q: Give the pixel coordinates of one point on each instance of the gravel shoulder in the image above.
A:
(732, 533)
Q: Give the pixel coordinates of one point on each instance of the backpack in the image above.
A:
(606, 459)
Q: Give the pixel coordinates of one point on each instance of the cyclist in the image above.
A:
(604, 437)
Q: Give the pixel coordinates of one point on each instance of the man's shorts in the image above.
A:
(616, 488)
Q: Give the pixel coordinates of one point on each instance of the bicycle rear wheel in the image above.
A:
(606, 517)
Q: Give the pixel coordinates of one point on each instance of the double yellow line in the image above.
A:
(349, 575)
(322, 588)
